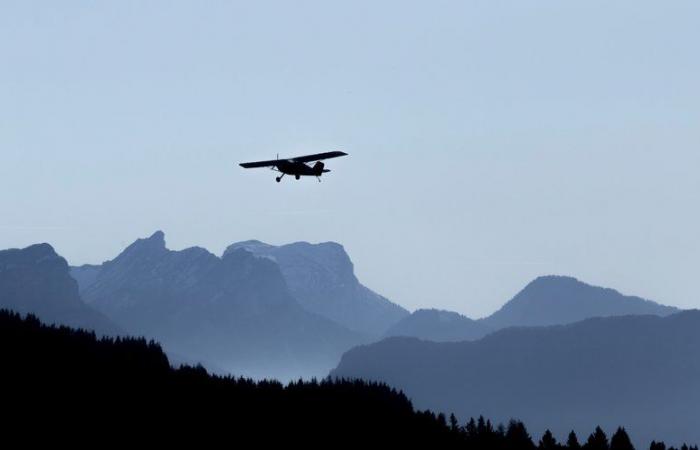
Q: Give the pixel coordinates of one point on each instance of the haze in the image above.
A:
(490, 141)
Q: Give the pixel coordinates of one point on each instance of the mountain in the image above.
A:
(321, 277)
(642, 372)
(548, 300)
(234, 312)
(557, 300)
(85, 275)
(439, 326)
(36, 280)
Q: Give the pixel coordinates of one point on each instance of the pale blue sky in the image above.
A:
(490, 141)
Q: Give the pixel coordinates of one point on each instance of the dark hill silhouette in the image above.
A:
(69, 388)
(234, 312)
(639, 371)
(76, 388)
(321, 277)
(439, 326)
(36, 280)
(548, 300)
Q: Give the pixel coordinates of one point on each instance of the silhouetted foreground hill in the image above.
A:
(35, 279)
(548, 300)
(66, 387)
(639, 371)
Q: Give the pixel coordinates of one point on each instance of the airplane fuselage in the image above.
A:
(299, 169)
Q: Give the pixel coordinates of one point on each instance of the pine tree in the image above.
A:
(657, 446)
(517, 436)
(481, 426)
(472, 430)
(621, 441)
(597, 441)
(454, 425)
(548, 442)
(572, 442)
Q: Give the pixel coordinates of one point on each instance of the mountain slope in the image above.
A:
(321, 277)
(36, 280)
(439, 326)
(234, 312)
(640, 371)
(557, 300)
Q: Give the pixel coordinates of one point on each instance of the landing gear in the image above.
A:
(279, 178)
(297, 176)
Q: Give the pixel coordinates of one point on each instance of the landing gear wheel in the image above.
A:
(297, 176)
(278, 179)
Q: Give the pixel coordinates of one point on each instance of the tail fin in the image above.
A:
(318, 168)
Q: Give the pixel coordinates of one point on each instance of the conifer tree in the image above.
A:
(621, 440)
(598, 440)
(454, 425)
(548, 442)
(572, 442)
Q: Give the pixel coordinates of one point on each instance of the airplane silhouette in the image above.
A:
(297, 166)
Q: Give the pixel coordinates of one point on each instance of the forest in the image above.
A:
(67, 386)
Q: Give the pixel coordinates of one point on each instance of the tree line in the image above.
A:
(66, 386)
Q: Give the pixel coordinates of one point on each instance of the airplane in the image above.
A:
(297, 166)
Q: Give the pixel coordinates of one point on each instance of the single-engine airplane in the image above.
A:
(297, 166)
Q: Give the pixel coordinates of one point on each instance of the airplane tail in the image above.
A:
(319, 169)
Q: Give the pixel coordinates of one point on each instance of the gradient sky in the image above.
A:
(490, 141)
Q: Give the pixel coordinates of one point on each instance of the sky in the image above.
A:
(490, 141)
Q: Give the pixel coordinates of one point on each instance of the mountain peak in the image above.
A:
(554, 299)
(438, 325)
(36, 280)
(322, 278)
(251, 245)
(157, 238)
(556, 279)
(34, 254)
(152, 244)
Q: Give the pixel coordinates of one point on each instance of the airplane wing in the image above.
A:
(251, 165)
(318, 157)
(301, 159)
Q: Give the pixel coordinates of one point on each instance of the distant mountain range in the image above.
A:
(262, 310)
(548, 300)
(639, 371)
(37, 280)
(322, 279)
(235, 311)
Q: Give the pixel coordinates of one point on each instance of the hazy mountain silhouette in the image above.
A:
(548, 300)
(36, 280)
(557, 300)
(85, 275)
(639, 371)
(439, 326)
(321, 277)
(235, 312)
